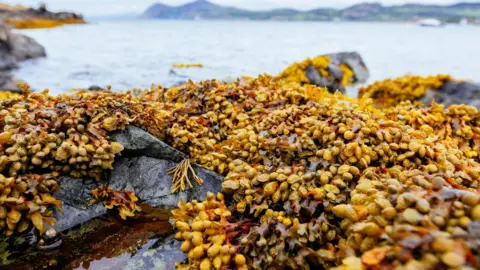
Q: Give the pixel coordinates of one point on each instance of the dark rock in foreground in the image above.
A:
(148, 178)
(143, 169)
(138, 142)
(453, 92)
(84, 232)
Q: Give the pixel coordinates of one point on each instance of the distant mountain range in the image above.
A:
(203, 9)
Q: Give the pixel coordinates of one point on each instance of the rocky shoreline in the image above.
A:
(145, 161)
(25, 17)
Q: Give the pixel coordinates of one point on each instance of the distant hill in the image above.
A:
(203, 9)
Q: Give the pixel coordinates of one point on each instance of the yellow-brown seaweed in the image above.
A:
(312, 179)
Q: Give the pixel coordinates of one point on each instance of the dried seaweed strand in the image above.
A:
(180, 176)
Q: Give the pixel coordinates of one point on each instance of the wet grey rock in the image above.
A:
(315, 78)
(75, 195)
(352, 59)
(335, 71)
(148, 178)
(15, 48)
(453, 92)
(24, 48)
(7, 59)
(95, 88)
(143, 169)
(7, 82)
(138, 142)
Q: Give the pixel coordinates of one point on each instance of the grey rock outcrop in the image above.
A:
(453, 92)
(148, 178)
(143, 169)
(7, 82)
(352, 59)
(75, 195)
(35, 13)
(15, 48)
(24, 48)
(137, 142)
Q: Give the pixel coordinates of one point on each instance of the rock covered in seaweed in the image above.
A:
(143, 169)
(325, 181)
(24, 18)
(334, 71)
(441, 89)
(454, 92)
(317, 180)
(149, 180)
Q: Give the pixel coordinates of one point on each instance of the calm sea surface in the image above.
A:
(127, 54)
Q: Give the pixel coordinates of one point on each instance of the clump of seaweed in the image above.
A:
(123, 201)
(26, 200)
(321, 180)
(312, 179)
(391, 92)
(181, 176)
(194, 65)
(296, 72)
(43, 137)
(7, 95)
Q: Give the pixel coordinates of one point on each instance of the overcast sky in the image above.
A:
(104, 7)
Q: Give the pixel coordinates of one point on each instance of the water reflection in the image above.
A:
(104, 243)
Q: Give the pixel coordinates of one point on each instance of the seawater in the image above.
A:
(139, 53)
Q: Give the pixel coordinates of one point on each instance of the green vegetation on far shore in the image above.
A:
(202, 9)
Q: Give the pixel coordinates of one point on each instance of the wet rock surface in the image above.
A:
(143, 242)
(143, 169)
(137, 142)
(75, 195)
(352, 59)
(148, 178)
(25, 47)
(453, 92)
(15, 48)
